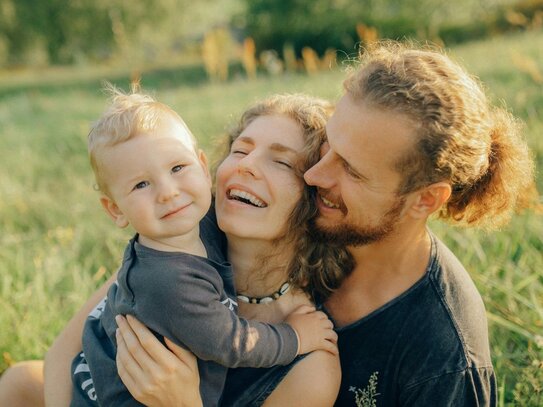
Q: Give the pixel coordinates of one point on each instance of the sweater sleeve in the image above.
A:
(185, 302)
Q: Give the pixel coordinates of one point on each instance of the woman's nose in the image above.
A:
(249, 165)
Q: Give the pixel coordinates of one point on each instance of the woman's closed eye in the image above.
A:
(284, 163)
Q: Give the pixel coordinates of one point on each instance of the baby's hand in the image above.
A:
(314, 329)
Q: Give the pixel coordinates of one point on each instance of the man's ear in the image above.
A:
(113, 211)
(203, 162)
(429, 199)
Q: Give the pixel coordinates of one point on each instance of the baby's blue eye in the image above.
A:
(141, 185)
(177, 168)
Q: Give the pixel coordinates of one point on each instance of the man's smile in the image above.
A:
(328, 203)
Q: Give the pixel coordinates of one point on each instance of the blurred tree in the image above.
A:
(66, 31)
(332, 23)
(315, 23)
(71, 27)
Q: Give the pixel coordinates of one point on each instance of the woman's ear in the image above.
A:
(203, 162)
(429, 199)
(113, 211)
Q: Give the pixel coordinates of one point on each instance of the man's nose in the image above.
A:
(321, 174)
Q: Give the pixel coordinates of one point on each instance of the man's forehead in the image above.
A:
(362, 134)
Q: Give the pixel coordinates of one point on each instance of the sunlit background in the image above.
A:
(209, 60)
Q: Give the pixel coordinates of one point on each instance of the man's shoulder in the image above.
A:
(463, 304)
(436, 330)
(436, 327)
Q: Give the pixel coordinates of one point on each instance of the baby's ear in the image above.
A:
(113, 211)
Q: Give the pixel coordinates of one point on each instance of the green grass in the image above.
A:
(57, 246)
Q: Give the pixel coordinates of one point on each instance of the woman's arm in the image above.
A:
(58, 360)
(155, 375)
(152, 373)
(313, 381)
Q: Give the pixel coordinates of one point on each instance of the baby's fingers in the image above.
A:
(330, 347)
(331, 336)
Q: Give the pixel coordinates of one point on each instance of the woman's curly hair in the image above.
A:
(316, 268)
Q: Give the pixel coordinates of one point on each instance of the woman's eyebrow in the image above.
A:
(245, 139)
(282, 148)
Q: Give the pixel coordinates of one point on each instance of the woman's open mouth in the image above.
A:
(245, 197)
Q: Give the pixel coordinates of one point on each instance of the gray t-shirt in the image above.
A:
(427, 347)
(188, 299)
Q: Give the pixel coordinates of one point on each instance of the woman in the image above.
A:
(263, 207)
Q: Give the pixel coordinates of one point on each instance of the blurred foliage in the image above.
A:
(68, 28)
(38, 33)
(34, 32)
(323, 24)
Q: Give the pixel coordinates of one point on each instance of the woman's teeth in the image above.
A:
(246, 197)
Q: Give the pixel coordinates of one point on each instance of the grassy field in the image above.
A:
(57, 246)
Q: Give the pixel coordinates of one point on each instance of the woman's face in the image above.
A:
(257, 187)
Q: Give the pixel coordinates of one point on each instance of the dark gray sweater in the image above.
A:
(188, 299)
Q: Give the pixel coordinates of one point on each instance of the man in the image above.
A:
(413, 136)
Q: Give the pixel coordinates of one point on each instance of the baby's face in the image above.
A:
(157, 182)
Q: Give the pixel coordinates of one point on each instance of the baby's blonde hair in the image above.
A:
(128, 115)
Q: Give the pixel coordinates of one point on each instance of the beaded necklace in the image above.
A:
(266, 299)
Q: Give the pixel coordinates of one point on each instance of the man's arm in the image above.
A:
(58, 382)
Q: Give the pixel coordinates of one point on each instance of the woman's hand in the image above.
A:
(155, 375)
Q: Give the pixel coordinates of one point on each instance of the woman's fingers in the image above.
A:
(156, 351)
(154, 374)
(124, 361)
(136, 353)
(184, 355)
(133, 363)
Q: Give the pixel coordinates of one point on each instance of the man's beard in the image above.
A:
(347, 234)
